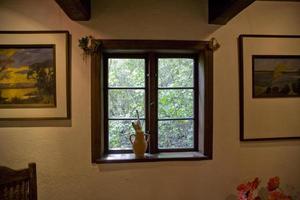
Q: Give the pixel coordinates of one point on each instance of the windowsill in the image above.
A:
(130, 157)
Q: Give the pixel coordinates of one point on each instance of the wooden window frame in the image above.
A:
(154, 50)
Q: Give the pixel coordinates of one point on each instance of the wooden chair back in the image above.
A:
(18, 184)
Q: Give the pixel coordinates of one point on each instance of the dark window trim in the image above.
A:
(202, 48)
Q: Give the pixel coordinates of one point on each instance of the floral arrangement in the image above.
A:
(248, 191)
(88, 44)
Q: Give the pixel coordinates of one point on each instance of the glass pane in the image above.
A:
(175, 134)
(175, 103)
(124, 103)
(123, 72)
(119, 132)
(175, 72)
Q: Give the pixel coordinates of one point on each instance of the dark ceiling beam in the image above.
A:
(78, 10)
(282, 0)
(221, 11)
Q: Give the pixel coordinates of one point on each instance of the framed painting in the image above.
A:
(275, 76)
(34, 75)
(269, 79)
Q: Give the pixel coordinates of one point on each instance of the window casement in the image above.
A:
(168, 82)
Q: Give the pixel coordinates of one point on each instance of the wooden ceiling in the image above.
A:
(77, 10)
(220, 11)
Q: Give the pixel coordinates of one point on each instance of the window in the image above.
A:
(124, 93)
(169, 83)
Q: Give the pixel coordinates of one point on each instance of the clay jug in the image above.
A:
(140, 143)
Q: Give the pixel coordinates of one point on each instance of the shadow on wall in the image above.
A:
(151, 19)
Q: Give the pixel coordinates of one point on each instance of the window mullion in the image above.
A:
(152, 86)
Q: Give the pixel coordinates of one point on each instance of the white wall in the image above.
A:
(63, 155)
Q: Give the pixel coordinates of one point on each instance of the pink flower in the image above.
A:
(278, 195)
(246, 190)
(273, 183)
(255, 183)
(242, 187)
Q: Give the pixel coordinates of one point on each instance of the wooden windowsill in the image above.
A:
(130, 157)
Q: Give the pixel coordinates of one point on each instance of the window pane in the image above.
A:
(175, 103)
(175, 72)
(126, 72)
(119, 132)
(124, 103)
(175, 134)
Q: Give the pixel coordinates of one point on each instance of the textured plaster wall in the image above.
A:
(63, 155)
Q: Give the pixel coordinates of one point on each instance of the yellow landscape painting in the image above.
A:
(27, 76)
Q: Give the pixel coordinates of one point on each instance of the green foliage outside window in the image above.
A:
(172, 103)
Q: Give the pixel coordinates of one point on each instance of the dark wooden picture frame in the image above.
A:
(58, 43)
(259, 113)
